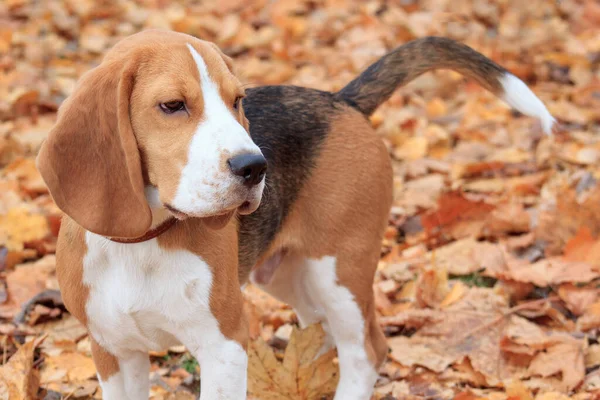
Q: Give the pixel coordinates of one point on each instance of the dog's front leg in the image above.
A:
(223, 365)
(122, 377)
(223, 371)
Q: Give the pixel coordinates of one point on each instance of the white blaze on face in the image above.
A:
(206, 186)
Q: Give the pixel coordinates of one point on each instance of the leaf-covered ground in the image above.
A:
(488, 282)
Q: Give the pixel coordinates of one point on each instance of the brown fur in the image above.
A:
(91, 158)
(218, 248)
(91, 163)
(331, 185)
(70, 250)
(342, 212)
(106, 363)
(97, 178)
(403, 64)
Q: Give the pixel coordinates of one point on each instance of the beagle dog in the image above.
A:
(159, 162)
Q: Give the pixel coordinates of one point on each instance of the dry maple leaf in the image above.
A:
(578, 299)
(465, 256)
(18, 379)
(572, 215)
(498, 345)
(545, 272)
(301, 376)
(471, 327)
(25, 281)
(565, 359)
(457, 216)
(68, 367)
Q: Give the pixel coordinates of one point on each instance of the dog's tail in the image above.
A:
(400, 66)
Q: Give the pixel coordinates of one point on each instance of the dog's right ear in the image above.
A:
(90, 160)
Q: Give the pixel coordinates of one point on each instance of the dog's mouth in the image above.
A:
(215, 221)
(176, 213)
(246, 208)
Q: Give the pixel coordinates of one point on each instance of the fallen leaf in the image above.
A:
(456, 293)
(577, 299)
(466, 256)
(565, 359)
(27, 280)
(457, 216)
(592, 356)
(549, 271)
(432, 287)
(517, 390)
(422, 351)
(19, 226)
(18, 379)
(302, 375)
(68, 367)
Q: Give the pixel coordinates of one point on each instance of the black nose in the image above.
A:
(251, 167)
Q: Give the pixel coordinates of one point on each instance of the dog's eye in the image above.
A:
(171, 107)
(236, 103)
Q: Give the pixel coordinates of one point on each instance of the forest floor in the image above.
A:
(487, 286)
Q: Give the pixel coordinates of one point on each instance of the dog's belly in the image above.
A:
(142, 297)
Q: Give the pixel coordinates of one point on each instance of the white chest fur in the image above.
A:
(142, 297)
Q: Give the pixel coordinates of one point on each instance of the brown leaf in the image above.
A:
(68, 367)
(466, 256)
(25, 281)
(578, 299)
(568, 218)
(591, 318)
(18, 379)
(517, 390)
(565, 359)
(422, 351)
(548, 271)
(456, 216)
(62, 335)
(507, 219)
(456, 293)
(592, 356)
(301, 376)
(25, 171)
(432, 287)
(471, 327)
(19, 226)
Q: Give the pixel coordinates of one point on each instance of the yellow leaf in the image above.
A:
(19, 226)
(412, 149)
(301, 376)
(564, 358)
(552, 396)
(68, 367)
(436, 108)
(456, 293)
(519, 390)
(18, 379)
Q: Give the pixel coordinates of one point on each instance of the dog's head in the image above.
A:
(161, 112)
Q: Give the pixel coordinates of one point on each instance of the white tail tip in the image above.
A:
(522, 99)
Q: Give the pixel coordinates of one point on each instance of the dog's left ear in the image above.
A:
(90, 160)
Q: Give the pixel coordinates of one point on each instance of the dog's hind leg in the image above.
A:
(317, 292)
(349, 309)
(288, 284)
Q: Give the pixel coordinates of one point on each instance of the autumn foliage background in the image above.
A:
(488, 282)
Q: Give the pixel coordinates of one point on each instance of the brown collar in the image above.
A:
(151, 234)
